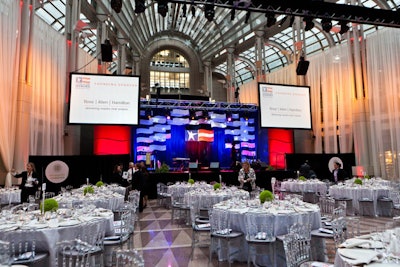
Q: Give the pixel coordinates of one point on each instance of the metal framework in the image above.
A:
(196, 105)
(311, 9)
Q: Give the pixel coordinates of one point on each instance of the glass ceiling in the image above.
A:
(209, 38)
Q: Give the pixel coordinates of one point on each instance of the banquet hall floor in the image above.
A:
(169, 245)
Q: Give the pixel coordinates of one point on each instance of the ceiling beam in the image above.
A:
(312, 9)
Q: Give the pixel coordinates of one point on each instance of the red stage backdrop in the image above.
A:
(111, 140)
(280, 142)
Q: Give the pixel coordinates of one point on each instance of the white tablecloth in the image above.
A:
(49, 232)
(357, 192)
(285, 215)
(10, 195)
(305, 186)
(208, 197)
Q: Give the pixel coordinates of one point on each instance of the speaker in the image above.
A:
(106, 52)
(302, 67)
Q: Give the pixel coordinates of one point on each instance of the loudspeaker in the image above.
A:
(302, 67)
(106, 52)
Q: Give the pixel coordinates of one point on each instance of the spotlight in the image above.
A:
(209, 12)
(140, 6)
(162, 7)
(326, 25)
(233, 11)
(116, 5)
(271, 20)
(309, 24)
(343, 27)
(247, 17)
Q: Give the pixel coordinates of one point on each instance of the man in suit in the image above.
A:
(338, 174)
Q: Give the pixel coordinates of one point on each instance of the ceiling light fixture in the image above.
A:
(309, 23)
(209, 11)
(140, 6)
(162, 7)
(343, 27)
(326, 25)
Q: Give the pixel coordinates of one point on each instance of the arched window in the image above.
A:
(169, 70)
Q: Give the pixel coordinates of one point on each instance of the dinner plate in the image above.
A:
(358, 256)
(69, 223)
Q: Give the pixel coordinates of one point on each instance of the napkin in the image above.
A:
(359, 256)
(354, 242)
(326, 231)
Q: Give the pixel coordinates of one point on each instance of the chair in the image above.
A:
(366, 207)
(222, 235)
(260, 234)
(23, 249)
(349, 204)
(394, 195)
(310, 197)
(4, 253)
(297, 249)
(326, 205)
(179, 211)
(93, 234)
(72, 253)
(200, 228)
(339, 231)
(163, 197)
(128, 258)
(385, 207)
(122, 228)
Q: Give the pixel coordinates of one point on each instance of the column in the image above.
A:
(230, 75)
(259, 55)
(208, 78)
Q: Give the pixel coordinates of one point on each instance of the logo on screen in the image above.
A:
(267, 91)
(82, 82)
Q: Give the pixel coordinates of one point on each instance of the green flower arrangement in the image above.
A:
(88, 189)
(191, 181)
(367, 176)
(50, 204)
(266, 195)
(163, 169)
(217, 186)
(302, 178)
(99, 184)
(358, 181)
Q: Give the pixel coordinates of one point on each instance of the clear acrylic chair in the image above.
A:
(221, 236)
(122, 229)
(339, 230)
(260, 236)
(326, 205)
(297, 249)
(4, 253)
(128, 258)
(72, 253)
(200, 228)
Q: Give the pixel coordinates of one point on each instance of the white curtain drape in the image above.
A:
(332, 92)
(9, 59)
(383, 83)
(48, 90)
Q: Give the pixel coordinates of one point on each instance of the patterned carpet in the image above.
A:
(169, 245)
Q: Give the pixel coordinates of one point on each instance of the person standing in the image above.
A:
(29, 183)
(338, 174)
(247, 177)
(138, 184)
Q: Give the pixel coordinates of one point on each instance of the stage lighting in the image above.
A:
(343, 27)
(326, 25)
(116, 5)
(247, 17)
(209, 12)
(140, 6)
(309, 23)
(271, 20)
(162, 7)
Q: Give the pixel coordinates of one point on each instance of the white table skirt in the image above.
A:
(304, 186)
(357, 193)
(8, 196)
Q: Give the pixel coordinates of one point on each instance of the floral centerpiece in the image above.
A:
(99, 184)
(217, 186)
(163, 168)
(302, 178)
(191, 181)
(358, 181)
(50, 204)
(88, 189)
(266, 195)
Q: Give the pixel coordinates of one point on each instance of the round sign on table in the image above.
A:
(57, 171)
(332, 162)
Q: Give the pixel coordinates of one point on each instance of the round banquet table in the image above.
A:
(47, 233)
(357, 192)
(311, 185)
(285, 215)
(208, 197)
(10, 195)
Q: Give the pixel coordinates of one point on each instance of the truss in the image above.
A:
(196, 105)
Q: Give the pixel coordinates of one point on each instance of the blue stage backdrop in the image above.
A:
(178, 136)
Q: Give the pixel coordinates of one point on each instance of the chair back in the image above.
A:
(4, 253)
(219, 222)
(338, 228)
(72, 253)
(260, 227)
(301, 230)
(129, 258)
(326, 205)
(297, 249)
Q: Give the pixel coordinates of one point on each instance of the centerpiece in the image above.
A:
(49, 204)
(266, 195)
(217, 186)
